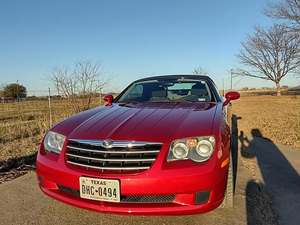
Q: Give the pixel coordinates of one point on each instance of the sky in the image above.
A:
(130, 39)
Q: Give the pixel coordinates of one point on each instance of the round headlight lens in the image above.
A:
(180, 151)
(197, 149)
(204, 148)
(54, 142)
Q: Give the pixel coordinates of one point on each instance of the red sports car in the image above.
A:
(161, 147)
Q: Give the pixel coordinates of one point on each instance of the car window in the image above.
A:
(168, 91)
(135, 92)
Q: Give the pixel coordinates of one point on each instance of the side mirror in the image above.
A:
(229, 96)
(108, 99)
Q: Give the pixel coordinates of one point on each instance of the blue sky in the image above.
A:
(131, 39)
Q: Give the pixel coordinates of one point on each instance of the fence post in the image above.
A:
(50, 112)
(100, 96)
(223, 87)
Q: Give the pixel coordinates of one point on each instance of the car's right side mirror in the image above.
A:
(229, 96)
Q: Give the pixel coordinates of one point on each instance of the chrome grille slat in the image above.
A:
(110, 168)
(116, 152)
(112, 155)
(112, 160)
(122, 144)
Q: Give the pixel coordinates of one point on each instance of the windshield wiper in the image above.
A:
(129, 102)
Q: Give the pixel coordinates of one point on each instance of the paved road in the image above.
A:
(21, 202)
(278, 167)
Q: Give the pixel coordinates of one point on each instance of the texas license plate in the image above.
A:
(100, 189)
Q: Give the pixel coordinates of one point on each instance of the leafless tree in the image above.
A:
(199, 71)
(271, 54)
(82, 82)
(288, 11)
(89, 82)
(64, 81)
(2, 90)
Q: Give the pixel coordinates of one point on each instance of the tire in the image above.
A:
(228, 196)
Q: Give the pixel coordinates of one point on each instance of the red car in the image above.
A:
(161, 147)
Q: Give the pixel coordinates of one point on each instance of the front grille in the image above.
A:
(112, 155)
(128, 198)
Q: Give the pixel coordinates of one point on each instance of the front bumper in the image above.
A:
(184, 184)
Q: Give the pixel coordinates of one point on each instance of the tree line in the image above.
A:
(77, 84)
(14, 91)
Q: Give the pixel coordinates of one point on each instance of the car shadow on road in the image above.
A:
(279, 192)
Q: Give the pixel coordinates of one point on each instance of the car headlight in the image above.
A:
(53, 142)
(197, 149)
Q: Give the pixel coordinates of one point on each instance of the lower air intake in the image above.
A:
(128, 198)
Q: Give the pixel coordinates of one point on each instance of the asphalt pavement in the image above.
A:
(22, 202)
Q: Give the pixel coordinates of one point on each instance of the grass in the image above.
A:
(22, 125)
(278, 118)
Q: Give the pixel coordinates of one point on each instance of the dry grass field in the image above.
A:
(278, 118)
(23, 124)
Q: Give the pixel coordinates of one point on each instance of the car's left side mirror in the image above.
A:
(229, 96)
(108, 99)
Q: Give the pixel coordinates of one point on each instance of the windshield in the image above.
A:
(167, 91)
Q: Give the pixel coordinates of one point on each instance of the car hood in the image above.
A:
(148, 121)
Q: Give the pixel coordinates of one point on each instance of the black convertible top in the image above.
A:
(175, 77)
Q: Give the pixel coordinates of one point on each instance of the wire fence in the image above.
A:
(33, 116)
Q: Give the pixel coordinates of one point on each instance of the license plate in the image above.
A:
(100, 189)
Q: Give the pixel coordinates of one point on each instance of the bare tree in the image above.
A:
(89, 82)
(66, 85)
(272, 53)
(199, 71)
(288, 11)
(82, 82)
(64, 81)
(2, 90)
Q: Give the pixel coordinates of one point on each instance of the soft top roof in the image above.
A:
(175, 77)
